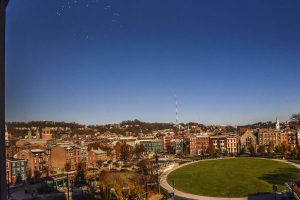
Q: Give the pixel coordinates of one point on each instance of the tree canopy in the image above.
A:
(295, 118)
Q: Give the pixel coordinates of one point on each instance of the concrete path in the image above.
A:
(184, 195)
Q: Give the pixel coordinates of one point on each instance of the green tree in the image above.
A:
(135, 192)
(279, 149)
(211, 150)
(261, 149)
(144, 167)
(284, 149)
(119, 191)
(242, 151)
(295, 153)
(290, 148)
(139, 150)
(251, 149)
(270, 147)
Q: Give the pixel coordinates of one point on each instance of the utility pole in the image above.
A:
(68, 186)
(157, 172)
(146, 186)
(3, 183)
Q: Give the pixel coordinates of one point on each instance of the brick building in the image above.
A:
(96, 157)
(37, 161)
(202, 142)
(65, 157)
(248, 139)
(219, 142)
(267, 136)
(123, 151)
(46, 133)
(232, 143)
(154, 145)
(284, 138)
(190, 145)
(16, 170)
(292, 137)
(167, 140)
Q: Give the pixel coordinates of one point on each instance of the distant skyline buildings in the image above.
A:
(98, 62)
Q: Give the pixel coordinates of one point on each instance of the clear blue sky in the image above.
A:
(104, 61)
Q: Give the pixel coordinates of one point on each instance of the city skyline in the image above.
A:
(98, 62)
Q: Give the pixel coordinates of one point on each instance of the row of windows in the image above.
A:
(231, 145)
(221, 142)
(15, 171)
(17, 164)
(231, 140)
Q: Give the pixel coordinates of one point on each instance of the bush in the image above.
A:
(165, 193)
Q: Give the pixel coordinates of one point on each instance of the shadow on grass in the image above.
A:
(262, 196)
(281, 176)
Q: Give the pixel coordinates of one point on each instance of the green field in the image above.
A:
(235, 177)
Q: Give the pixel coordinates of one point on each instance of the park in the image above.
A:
(233, 177)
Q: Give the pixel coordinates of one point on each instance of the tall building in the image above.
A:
(46, 133)
(167, 142)
(16, 170)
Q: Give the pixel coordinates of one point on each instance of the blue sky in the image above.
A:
(104, 61)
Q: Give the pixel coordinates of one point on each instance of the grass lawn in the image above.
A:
(235, 177)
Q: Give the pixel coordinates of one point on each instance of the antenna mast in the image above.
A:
(177, 118)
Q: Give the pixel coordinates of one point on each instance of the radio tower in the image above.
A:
(177, 118)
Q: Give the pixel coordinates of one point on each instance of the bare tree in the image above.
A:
(295, 118)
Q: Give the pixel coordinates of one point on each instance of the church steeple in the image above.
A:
(277, 124)
(37, 134)
(6, 136)
(29, 136)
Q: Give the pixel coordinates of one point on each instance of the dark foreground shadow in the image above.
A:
(281, 176)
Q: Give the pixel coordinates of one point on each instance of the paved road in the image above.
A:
(179, 195)
(19, 193)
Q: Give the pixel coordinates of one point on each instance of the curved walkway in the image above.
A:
(164, 183)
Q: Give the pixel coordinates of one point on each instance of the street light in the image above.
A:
(8, 195)
(173, 183)
(274, 187)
